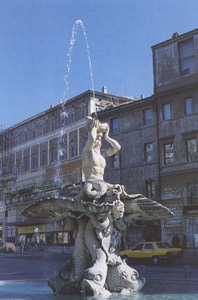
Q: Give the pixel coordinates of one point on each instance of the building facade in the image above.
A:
(39, 155)
(158, 158)
(176, 94)
(159, 138)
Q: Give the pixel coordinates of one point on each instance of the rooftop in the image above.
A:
(176, 37)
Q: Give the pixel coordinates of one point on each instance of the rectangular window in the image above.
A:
(72, 117)
(63, 238)
(114, 125)
(82, 145)
(83, 112)
(148, 246)
(168, 154)
(191, 149)
(148, 152)
(188, 106)
(11, 142)
(116, 160)
(166, 112)
(187, 57)
(147, 116)
(150, 189)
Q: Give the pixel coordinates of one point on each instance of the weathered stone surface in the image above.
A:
(101, 212)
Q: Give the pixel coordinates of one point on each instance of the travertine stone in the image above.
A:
(100, 212)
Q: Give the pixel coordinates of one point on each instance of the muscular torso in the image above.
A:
(93, 164)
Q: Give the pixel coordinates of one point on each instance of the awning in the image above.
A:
(42, 228)
(28, 222)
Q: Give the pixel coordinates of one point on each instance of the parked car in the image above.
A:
(7, 247)
(152, 251)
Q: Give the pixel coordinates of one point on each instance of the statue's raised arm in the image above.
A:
(115, 146)
(92, 125)
(93, 158)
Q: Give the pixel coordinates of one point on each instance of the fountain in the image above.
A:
(99, 213)
(37, 290)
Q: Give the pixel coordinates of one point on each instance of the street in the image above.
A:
(24, 275)
(30, 266)
(41, 265)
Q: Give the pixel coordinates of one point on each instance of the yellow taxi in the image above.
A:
(152, 251)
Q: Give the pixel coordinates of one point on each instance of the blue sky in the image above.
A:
(35, 37)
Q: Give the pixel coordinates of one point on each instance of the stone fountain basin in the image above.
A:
(39, 290)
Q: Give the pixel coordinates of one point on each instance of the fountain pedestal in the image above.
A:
(99, 213)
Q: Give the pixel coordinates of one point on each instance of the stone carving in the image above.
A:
(93, 160)
(100, 212)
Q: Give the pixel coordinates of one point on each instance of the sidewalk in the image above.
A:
(47, 249)
(184, 269)
(190, 257)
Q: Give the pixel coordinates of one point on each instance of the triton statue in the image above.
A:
(99, 212)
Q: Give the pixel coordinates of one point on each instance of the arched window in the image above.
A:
(43, 158)
(26, 163)
(52, 125)
(44, 129)
(34, 161)
(18, 166)
(34, 133)
(72, 148)
(64, 116)
(82, 145)
(10, 168)
(63, 148)
(83, 112)
(53, 155)
(26, 136)
(72, 116)
(62, 153)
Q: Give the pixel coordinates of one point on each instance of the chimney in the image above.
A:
(142, 96)
(176, 34)
(104, 89)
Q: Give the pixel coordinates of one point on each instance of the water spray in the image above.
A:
(64, 114)
(72, 42)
